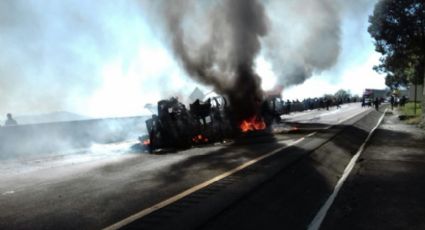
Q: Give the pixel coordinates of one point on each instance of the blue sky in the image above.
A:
(107, 59)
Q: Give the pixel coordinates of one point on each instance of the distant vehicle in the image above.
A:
(367, 101)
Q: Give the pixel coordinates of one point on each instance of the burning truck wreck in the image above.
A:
(222, 55)
(205, 122)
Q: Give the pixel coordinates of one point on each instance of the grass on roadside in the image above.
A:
(409, 111)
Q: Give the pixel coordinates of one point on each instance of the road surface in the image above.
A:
(109, 184)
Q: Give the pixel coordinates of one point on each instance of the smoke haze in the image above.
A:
(110, 59)
(305, 38)
(37, 46)
(80, 56)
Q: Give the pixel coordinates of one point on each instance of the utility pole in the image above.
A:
(416, 92)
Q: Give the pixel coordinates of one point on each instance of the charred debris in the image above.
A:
(205, 122)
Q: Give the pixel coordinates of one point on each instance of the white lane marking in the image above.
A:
(311, 134)
(329, 113)
(320, 112)
(316, 118)
(320, 216)
(187, 192)
(346, 119)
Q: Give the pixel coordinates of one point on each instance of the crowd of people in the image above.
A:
(325, 102)
(316, 103)
(398, 101)
(377, 101)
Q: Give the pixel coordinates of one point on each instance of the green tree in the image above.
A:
(398, 27)
(342, 94)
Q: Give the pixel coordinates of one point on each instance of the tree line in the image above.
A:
(398, 28)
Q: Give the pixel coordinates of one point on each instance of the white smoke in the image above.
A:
(304, 39)
(102, 59)
(96, 59)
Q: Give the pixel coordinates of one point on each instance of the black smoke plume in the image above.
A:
(216, 43)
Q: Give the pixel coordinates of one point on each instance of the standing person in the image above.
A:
(327, 103)
(10, 120)
(376, 102)
(392, 101)
(338, 103)
(288, 106)
(403, 101)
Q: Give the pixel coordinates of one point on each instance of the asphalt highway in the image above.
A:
(113, 186)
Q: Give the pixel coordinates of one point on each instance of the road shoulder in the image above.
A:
(385, 189)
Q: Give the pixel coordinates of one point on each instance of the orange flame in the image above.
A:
(251, 124)
(146, 142)
(199, 139)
